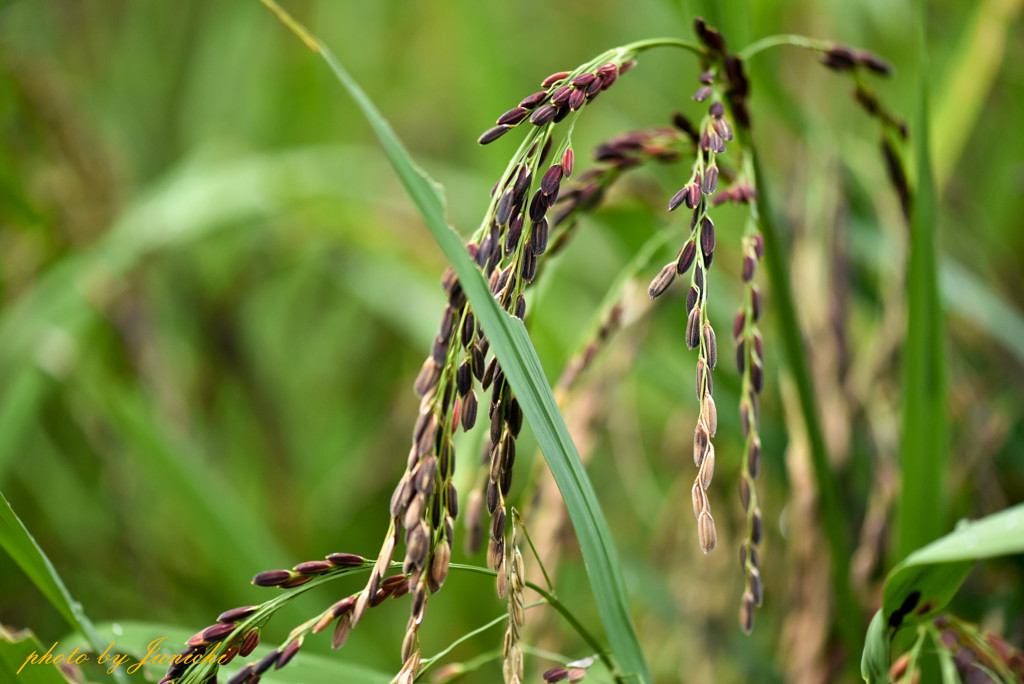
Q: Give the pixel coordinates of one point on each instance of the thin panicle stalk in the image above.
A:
(835, 524)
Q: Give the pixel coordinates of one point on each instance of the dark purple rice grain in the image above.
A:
(271, 578)
(236, 614)
(839, 58)
(346, 560)
(560, 96)
(693, 328)
(469, 408)
(521, 186)
(662, 281)
(288, 653)
(531, 101)
(477, 357)
(707, 78)
(543, 115)
(738, 324)
(710, 345)
(556, 674)
(439, 350)
(514, 417)
(757, 376)
(594, 88)
(757, 527)
(552, 177)
(538, 206)
(698, 278)
(513, 116)
(512, 236)
(741, 357)
(528, 269)
(553, 78)
(707, 236)
(709, 183)
(492, 497)
(492, 134)
(717, 109)
(692, 295)
(504, 211)
(693, 198)
(314, 567)
(488, 373)
(724, 129)
(468, 329)
(681, 196)
(749, 265)
(520, 312)
(562, 113)
(243, 676)
(686, 255)
(703, 93)
(755, 303)
(568, 161)
(754, 458)
(539, 237)
(873, 62)
(266, 662)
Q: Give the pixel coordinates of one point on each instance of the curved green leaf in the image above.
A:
(515, 352)
(924, 583)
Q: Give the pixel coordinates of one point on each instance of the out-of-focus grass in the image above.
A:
(184, 297)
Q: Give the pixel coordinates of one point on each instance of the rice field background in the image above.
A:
(215, 297)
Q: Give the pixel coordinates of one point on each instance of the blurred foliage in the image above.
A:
(207, 351)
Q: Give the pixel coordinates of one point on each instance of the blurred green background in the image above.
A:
(214, 297)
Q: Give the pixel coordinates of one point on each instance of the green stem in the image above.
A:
(651, 43)
(783, 39)
(529, 540)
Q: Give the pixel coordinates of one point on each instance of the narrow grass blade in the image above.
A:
(22, 547)
(927, 580)
(920, 514)
(522, 368)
